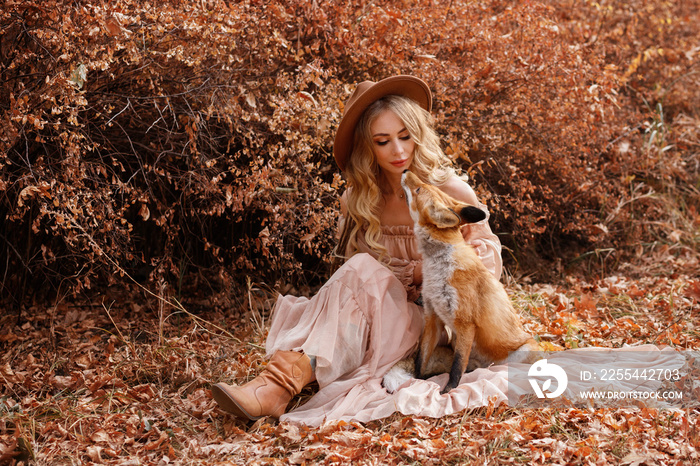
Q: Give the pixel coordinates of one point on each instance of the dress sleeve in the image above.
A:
(479, 235)
(485, 242)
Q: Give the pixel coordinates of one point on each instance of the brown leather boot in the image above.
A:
(270, 392)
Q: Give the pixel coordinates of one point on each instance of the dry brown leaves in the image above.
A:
(127, 383)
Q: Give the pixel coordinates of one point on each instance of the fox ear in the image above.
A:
(471, 214)
(442, 217)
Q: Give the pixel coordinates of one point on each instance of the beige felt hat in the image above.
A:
(366, 93)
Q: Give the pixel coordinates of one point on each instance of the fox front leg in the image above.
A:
(463, 347)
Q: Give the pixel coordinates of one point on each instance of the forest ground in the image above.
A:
(124, 378)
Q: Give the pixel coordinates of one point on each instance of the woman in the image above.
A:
(364, 319)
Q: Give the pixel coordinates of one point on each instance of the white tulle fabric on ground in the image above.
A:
(626, 374)
(482, 386)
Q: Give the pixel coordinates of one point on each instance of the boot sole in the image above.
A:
(230, 405)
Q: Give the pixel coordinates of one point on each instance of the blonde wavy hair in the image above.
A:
(364, 195)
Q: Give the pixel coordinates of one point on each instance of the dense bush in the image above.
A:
(191, 141)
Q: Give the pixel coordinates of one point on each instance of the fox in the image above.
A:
(458, 292)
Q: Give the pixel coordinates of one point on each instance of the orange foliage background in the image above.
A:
(191, 142)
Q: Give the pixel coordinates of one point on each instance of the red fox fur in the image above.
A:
(458, 290)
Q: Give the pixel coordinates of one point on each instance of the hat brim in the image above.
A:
(408, 86)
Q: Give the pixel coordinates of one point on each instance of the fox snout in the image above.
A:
(409, 180)
(411, 185)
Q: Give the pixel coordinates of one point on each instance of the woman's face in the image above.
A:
(391, 143)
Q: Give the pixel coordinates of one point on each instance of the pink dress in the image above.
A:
(360, 323)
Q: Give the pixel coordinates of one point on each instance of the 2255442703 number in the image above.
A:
(628, 374)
